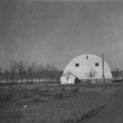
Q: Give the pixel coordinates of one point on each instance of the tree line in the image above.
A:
(117, 74)
(21, 72)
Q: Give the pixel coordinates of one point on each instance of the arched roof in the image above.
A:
(82, 65)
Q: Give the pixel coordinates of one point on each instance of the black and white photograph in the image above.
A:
(61, 61)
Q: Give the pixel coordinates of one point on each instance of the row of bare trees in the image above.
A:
(117, 74)
(21, 72)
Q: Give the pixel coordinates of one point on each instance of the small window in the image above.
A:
(96, 64)
(77, 64)
(87, 57)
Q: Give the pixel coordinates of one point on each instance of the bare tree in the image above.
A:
(17, 70)
(13, 71)
(0, 74)
(21, 70)
(91, 74)
(39, 71)
(6, 75)
(31, 70)
(116, 73)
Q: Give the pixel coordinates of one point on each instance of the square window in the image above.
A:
(96, 64)
(77, 64)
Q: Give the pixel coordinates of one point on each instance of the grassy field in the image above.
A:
(37, 103)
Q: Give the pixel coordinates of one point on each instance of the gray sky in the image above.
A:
(56, 32)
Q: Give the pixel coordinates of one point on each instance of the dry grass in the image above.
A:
(49, 104)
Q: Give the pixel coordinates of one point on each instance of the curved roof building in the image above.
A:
(86, 67)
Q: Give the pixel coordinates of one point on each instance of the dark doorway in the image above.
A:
(77, 80)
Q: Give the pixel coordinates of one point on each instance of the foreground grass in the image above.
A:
(35, 104)
(82, 118)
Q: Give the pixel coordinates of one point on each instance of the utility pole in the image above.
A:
(103, 74)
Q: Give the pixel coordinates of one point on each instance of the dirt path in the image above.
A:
(53, 111)
(112, 113)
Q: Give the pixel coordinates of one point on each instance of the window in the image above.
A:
(77, 65)
(87, 57)
(96, 64)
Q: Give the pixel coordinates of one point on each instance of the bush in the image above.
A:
(59, 95)
(38, 98)
(75, 90)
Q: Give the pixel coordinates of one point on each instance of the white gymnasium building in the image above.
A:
(87, 68)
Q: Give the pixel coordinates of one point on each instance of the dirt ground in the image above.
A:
(71, 106)
(113, 111)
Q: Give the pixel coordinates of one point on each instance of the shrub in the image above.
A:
(75, 90)
(59, 95)
(38, 98)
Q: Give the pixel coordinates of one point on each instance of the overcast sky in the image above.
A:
(56, 32)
